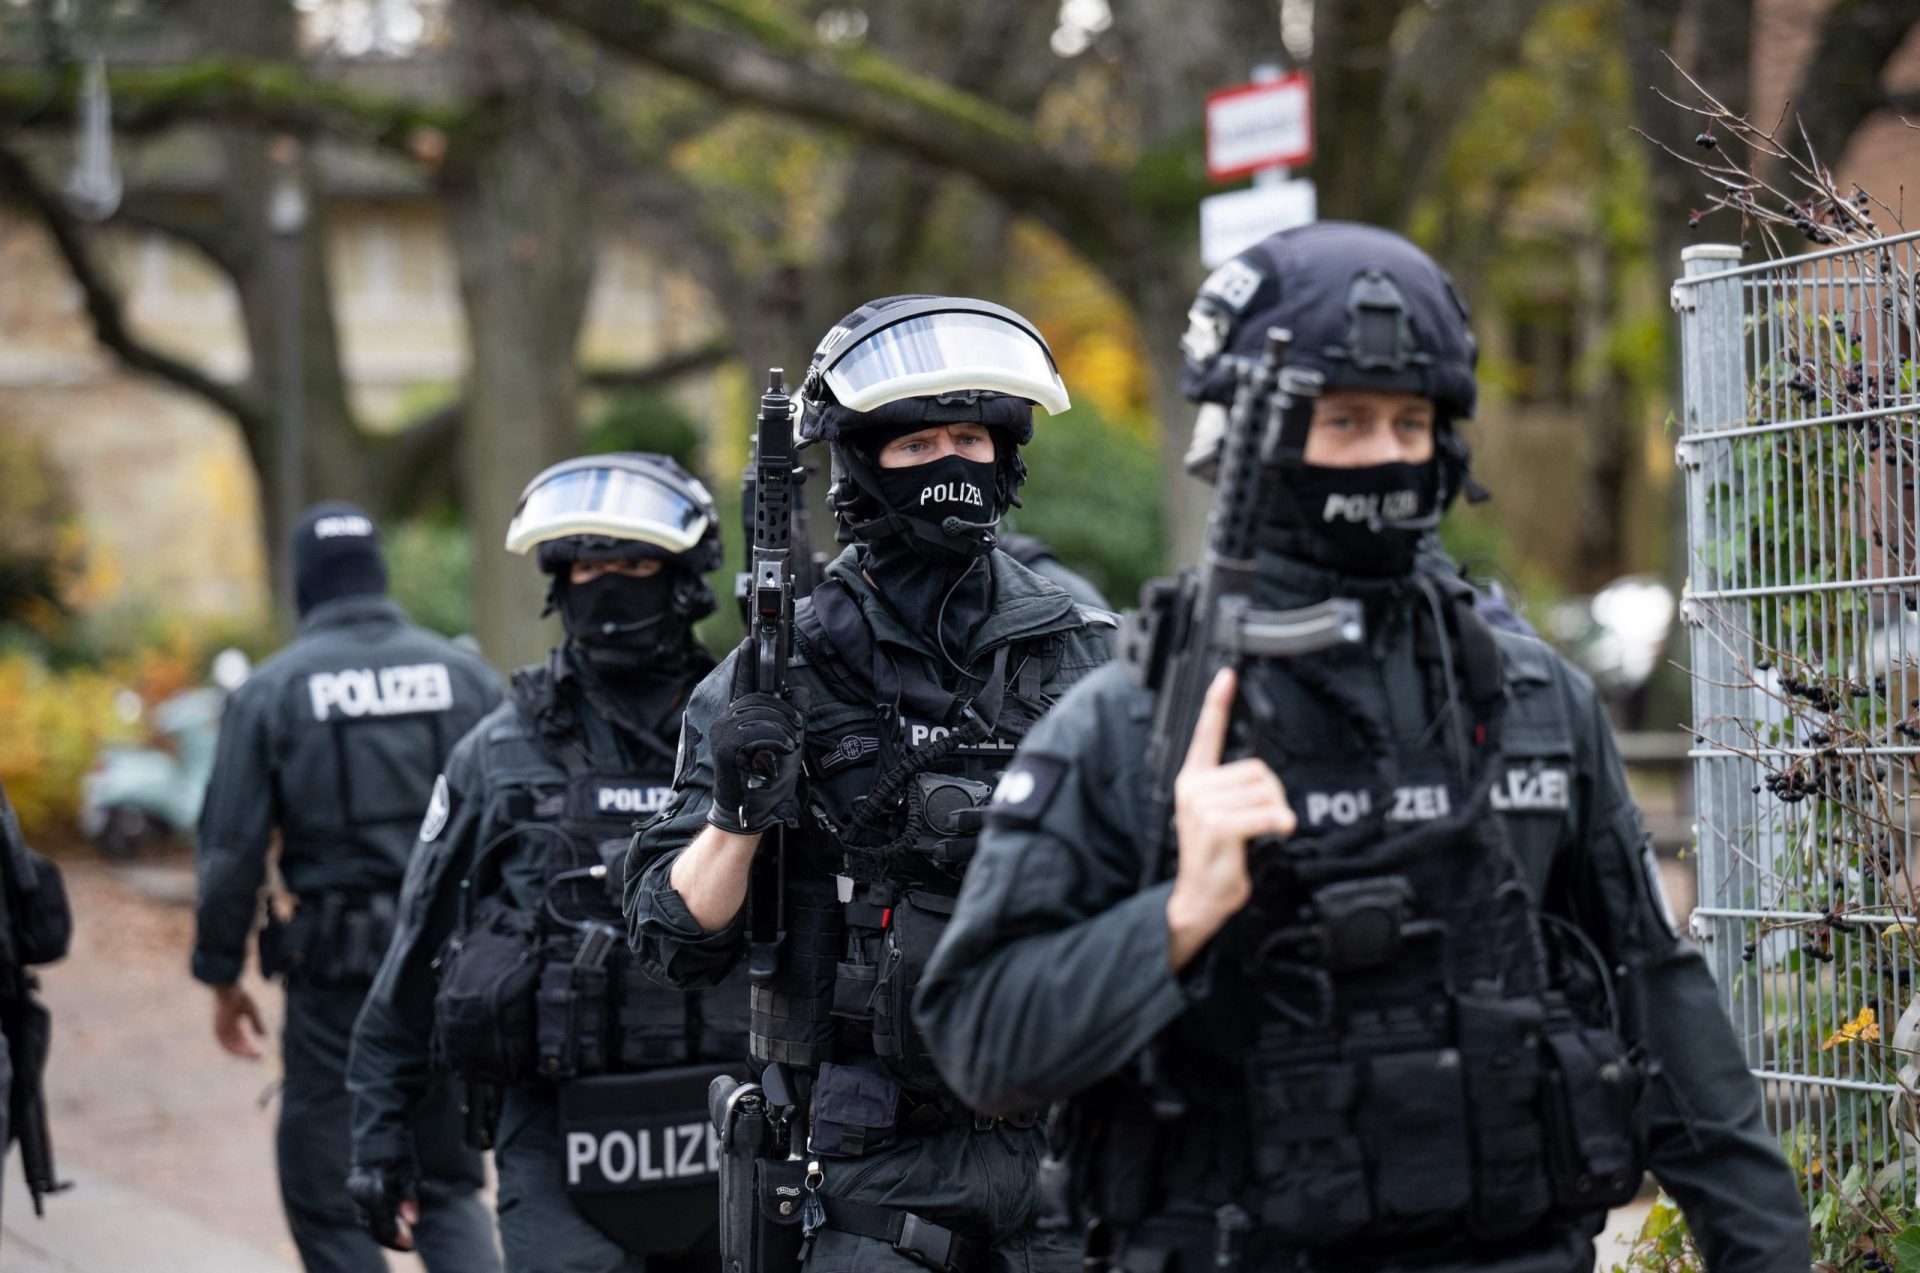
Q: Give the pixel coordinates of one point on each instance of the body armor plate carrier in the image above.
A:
(1384, 1057)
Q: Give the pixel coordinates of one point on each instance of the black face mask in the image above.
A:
(1364, 522)
(625, 624)
(952, 502)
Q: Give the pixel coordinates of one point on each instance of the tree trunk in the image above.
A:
(329, 465)
(522, 215)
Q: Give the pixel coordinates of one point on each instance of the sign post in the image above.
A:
(1261, 129)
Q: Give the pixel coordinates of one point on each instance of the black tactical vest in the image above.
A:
(597, 1011)
(898, 772)
(1381, 1056)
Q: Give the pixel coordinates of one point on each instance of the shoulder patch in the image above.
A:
(1026, 789)
(439, 807)
(1235, 283)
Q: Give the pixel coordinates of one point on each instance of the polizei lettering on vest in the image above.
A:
(953, 493)
(642, 1156)
(632, 799)
(1391, 506)
(919, 736)
(1533, 791)
(1417, 803)
(386, 691)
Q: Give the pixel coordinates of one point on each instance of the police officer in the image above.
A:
(512, 874)
(335, 741)
(918, 662)
(1396, 998)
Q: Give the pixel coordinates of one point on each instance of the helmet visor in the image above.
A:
(946, 351)
(608, 498)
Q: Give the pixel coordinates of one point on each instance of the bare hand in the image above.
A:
(233, 1010)
(1217, 809)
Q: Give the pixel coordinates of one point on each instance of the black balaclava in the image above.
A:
(1366, 522)
(632, 629)
(336, 553)
(929, 575)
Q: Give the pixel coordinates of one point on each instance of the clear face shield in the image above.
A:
(935, 346)
(614, 496)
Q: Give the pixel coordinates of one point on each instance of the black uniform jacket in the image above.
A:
(505, 772)
(335, 740)
(1024, 608)
(1054, 972)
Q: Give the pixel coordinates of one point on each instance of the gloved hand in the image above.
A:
(387, 1196)
(755, 745)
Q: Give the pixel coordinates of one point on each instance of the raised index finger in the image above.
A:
(1210, 729)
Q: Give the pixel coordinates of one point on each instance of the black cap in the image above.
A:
(336, 553)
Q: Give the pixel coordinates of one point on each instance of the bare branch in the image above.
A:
(766, 60)
(18, 183)
(271, 94)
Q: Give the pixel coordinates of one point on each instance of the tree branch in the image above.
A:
(426, 447)
(668, 367)
(18, 183)
(229, 90)
(767, 61)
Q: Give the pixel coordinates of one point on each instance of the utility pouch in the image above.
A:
(854, 989)
(276, 958)
(484, 1007)
(652, 1020)
(1596, 1096)
(1416, 1123)
(479, 1114)
(43, 923)
(856, 1110)
(1307, 1155)
(1500, 1043)
(642, 1158)
(572, 1020)
(918, 920)
(779, 1190)
(792, 1011)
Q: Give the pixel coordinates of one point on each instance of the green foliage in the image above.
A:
(646, 421)
(1094, 497)
(430, 571)
(39, 541)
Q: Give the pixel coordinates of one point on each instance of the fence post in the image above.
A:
(1713, 397)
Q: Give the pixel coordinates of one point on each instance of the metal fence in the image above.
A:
(1798, 447)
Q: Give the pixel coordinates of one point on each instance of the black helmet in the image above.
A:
(903, 363)
(1366, 308)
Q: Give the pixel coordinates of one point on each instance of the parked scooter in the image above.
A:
(138, 799)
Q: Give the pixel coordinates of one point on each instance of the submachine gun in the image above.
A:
(1189, 627)
(762, 1126)
(1186, 630)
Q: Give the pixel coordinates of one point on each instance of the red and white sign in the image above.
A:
(1262, 125)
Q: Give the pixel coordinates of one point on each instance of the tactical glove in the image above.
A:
(755, 745)
(377, 1190)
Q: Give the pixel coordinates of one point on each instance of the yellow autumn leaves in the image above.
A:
(1864, 1028)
